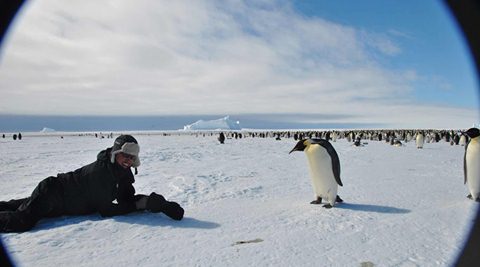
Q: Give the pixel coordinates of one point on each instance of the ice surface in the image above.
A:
(247, 204)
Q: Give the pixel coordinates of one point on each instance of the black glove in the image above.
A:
(157, 203)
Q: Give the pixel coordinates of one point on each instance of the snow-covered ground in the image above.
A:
(247, 204)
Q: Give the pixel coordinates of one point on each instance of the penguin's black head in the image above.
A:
(472, 132)
(300, 146)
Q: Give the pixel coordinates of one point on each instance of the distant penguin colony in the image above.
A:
(471, 164)
(324, 169)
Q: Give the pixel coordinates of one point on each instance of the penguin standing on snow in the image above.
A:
(420, 140)
(471, 164)
(463, 140)
(334, 137)
(324, 169)
(221, 138)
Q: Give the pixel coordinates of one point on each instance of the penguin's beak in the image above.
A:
(300, 146)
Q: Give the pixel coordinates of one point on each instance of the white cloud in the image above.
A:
(380, 42)
(190, 57)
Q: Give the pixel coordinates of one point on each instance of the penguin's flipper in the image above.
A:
(328, 206)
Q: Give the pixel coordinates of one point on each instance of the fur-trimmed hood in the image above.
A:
(128, 145)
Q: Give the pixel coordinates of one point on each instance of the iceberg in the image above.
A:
(224, 123)
(47, 130)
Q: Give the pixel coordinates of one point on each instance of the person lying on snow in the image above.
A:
(90, 189)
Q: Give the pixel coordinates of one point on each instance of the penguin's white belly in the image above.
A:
(419, 141)
(473, 168)
(463, 140)
(321, 173)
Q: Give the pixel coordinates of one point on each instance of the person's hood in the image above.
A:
(126, 144)
(104, 155)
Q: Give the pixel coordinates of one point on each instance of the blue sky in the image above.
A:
(425, 31)
(393, 63)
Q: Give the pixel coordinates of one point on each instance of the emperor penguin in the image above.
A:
(420, 140)
(409, 137)
(324, 169)
(471, 164)
(428, 138)
(463, 140)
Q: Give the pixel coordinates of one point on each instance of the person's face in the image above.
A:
(124, 160)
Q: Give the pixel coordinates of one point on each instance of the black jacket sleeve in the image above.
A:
(117, 209)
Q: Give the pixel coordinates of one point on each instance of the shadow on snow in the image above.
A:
(371, 208)
(149, 219)
(158, 219)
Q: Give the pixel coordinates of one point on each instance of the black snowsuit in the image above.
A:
(90, 189)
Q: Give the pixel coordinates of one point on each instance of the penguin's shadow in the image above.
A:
(158, 219)
(372, 208)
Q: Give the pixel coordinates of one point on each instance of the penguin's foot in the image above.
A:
(470, 197)
(317, 201)
(338, 199)
(328, 206)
